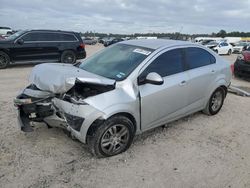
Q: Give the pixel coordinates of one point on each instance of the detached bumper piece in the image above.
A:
(24, 122)
(74, 121)
(32, 110)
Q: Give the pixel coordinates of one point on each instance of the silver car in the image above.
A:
(124, 90)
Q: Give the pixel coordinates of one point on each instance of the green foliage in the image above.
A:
(181, 36)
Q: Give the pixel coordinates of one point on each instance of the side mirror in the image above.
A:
(20, 41)
(152, 78)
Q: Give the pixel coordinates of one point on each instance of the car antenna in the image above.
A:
(178, 34)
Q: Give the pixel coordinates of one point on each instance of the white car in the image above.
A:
(223, 48)
(5, 30)
(238, 48)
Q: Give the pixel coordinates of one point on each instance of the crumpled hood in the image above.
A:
(59, 78)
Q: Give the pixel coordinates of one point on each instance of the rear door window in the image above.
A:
(49, 37)
(69, 37)
(197, 57)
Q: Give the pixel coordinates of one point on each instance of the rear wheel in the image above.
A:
(114, 136)
(215, 102)
(229, 52)
(4, 60)
(68, 57)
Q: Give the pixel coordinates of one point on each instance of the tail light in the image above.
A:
(232, 68)
(82, 46)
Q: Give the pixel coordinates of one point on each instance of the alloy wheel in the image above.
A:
(217, 100)
(115, 139)
(3, 61)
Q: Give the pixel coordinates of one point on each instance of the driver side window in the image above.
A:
(30, 37)
(168, 63)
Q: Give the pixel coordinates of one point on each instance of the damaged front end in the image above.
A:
(59, 102)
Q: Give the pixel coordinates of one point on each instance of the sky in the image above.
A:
(127, 16)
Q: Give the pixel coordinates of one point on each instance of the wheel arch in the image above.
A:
(98, 122)
(69, 50)
(220, 82)
(6, 51)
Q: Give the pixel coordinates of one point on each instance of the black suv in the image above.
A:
(41, 45)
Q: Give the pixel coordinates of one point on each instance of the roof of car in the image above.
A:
(155, 43)
(47, 30)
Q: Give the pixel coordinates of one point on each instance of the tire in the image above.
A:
(68, 57)
(229, 52)
(215, 102)
(216, 51)
(4, 60)
(113, 137)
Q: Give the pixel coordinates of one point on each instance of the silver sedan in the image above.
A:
(124, 90)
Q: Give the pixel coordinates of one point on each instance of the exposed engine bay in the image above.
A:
(35, 105)
(83, 90)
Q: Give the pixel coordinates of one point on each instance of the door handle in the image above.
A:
(184, 82)
(212, 71)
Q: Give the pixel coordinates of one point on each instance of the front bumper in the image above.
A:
(75, 118)
(78, 118)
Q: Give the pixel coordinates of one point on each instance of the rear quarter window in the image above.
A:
(198, 57)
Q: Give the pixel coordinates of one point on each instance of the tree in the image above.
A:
(222, 33)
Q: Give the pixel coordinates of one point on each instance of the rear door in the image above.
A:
(201, 72)
(49, 44)
(160, 103)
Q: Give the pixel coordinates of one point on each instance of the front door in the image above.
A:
(28, 49)
(160, 103)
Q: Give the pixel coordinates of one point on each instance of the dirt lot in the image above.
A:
(197, 151)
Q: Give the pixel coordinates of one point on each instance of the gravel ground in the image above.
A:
(196, 151)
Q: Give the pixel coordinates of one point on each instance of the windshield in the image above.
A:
(15, 35)
(116, 62)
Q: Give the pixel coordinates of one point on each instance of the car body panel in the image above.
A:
(149, 105)
(59, 78)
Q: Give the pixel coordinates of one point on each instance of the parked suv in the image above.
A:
(126, 89)
(41, 45)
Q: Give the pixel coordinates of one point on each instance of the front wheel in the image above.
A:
(113, 137)
(4, 60)
(215, 102)
(68, 57)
